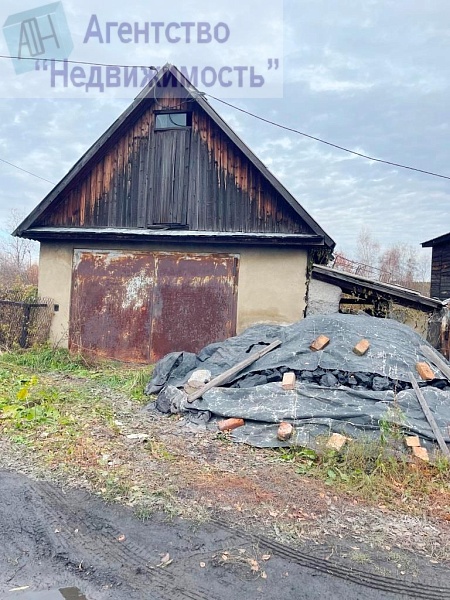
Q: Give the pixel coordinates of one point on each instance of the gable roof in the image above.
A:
(136, 108)
(442, 239)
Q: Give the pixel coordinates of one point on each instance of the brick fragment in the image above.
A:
(361, 347)
(421, 453)
(337, 441)
(320, 343)
(425, 371)
(288, 382)
(285, 431)
(230, 424)
(412, 441)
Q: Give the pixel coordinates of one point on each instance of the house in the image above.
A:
(169, 234)
(440, 266)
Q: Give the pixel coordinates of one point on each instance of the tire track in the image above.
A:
(100, 540)
(363, 578)
(60, 515)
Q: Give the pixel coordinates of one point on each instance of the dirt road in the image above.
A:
(52, 539)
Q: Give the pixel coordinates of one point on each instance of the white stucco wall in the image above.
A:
(271, 281)
(323, 298)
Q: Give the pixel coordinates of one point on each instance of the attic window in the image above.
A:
(173, 120)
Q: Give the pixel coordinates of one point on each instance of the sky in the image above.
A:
(371, 76)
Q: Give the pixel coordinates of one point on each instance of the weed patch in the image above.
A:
(373, 471)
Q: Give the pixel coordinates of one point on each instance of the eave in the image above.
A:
(174, 236)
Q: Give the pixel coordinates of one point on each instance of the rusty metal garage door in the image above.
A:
(138, 306)
(111, 304)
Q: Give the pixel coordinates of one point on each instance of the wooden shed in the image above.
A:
(440, 266)
(169, 234)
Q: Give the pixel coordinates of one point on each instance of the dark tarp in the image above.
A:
(337, 390)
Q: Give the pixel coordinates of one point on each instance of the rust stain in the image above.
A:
(139, 306)
(110, 308)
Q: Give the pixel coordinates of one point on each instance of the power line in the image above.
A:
(25, 171)
(79, 62)
(312, 137)
(264, 120)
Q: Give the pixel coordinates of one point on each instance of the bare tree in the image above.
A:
(18, 256)
(401, 264)
(368, 251)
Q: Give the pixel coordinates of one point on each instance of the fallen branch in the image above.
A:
(227, 375)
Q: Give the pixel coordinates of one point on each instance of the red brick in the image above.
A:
(230, 424)
(425, 371)
(412, 441)
(285, 431)
(320, 343)
(361, 347)
(337, 441)
(421, 453)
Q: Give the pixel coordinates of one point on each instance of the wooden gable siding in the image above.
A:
(440, 272)
(194, 176)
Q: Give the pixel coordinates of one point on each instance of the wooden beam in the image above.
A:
(439, 362)
(227, 375)
(429, 416)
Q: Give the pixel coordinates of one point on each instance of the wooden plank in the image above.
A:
(227, 375)
(429, 416)
(439, 362)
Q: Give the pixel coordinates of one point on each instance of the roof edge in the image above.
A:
(328, 273)
(174, 235)
(441, 239)
(90, 153)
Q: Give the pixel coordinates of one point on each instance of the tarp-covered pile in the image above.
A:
(336, 390)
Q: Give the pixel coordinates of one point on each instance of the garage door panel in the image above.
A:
(139, 306)
(194, 302)
(111, 304)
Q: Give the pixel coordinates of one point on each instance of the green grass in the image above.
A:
(130, 380)
(69, 421)
(30, 399)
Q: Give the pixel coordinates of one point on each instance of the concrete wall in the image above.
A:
(323, 298)
(271, 283)
(55, 277)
